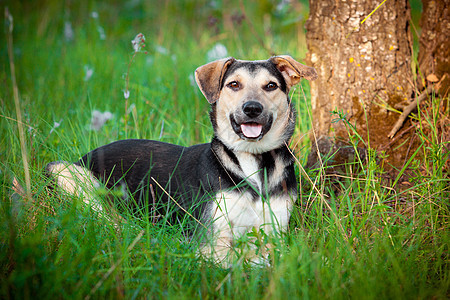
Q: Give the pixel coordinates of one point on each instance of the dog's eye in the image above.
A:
(270, 86)
(234, 85)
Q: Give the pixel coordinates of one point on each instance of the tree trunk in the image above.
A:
(364, 70)
(434, 45)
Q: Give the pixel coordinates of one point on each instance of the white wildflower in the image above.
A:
(101, 32)
(99, 119)
(161, 50)
(126, 94)
(217, 52)
(138, 42)
(94, 15)
(31, 131)
(88, 72)
(68, 31)
(214, 4)
(55, 125)
(283, 5)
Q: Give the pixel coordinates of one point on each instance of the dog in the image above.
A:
(243, 179)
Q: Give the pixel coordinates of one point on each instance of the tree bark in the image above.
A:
(364, 70)
(434, 45)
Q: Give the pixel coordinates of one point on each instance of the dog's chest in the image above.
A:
(236, 211)
(264, 174)
(251, 170)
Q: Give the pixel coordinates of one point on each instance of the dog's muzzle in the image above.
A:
(251, 122)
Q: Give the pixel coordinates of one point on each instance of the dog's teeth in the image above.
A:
(251, 130)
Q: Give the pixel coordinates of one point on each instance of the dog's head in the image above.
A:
(251, 109)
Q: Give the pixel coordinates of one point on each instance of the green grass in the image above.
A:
(361, 237)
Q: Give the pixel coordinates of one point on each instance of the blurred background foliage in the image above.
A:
(72, 57)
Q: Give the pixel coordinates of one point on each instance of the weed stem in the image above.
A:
(23, 146)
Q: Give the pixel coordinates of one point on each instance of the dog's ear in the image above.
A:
(292, 70)
(209, 77)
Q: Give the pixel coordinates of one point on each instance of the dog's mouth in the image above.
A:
(253, 130)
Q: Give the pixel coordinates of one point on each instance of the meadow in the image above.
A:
(360, 237)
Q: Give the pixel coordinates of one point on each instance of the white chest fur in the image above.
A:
(235, 213)
(250, 167)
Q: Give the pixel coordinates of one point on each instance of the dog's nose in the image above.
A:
(252, 109)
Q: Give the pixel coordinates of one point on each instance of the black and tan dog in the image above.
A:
(243, 179)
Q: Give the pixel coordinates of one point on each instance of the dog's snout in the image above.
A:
(252, 109)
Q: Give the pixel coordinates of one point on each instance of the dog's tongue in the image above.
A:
(251, 130)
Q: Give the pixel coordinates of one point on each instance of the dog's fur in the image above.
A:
(243, 179)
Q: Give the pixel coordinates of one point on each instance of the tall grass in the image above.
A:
(359, 237)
